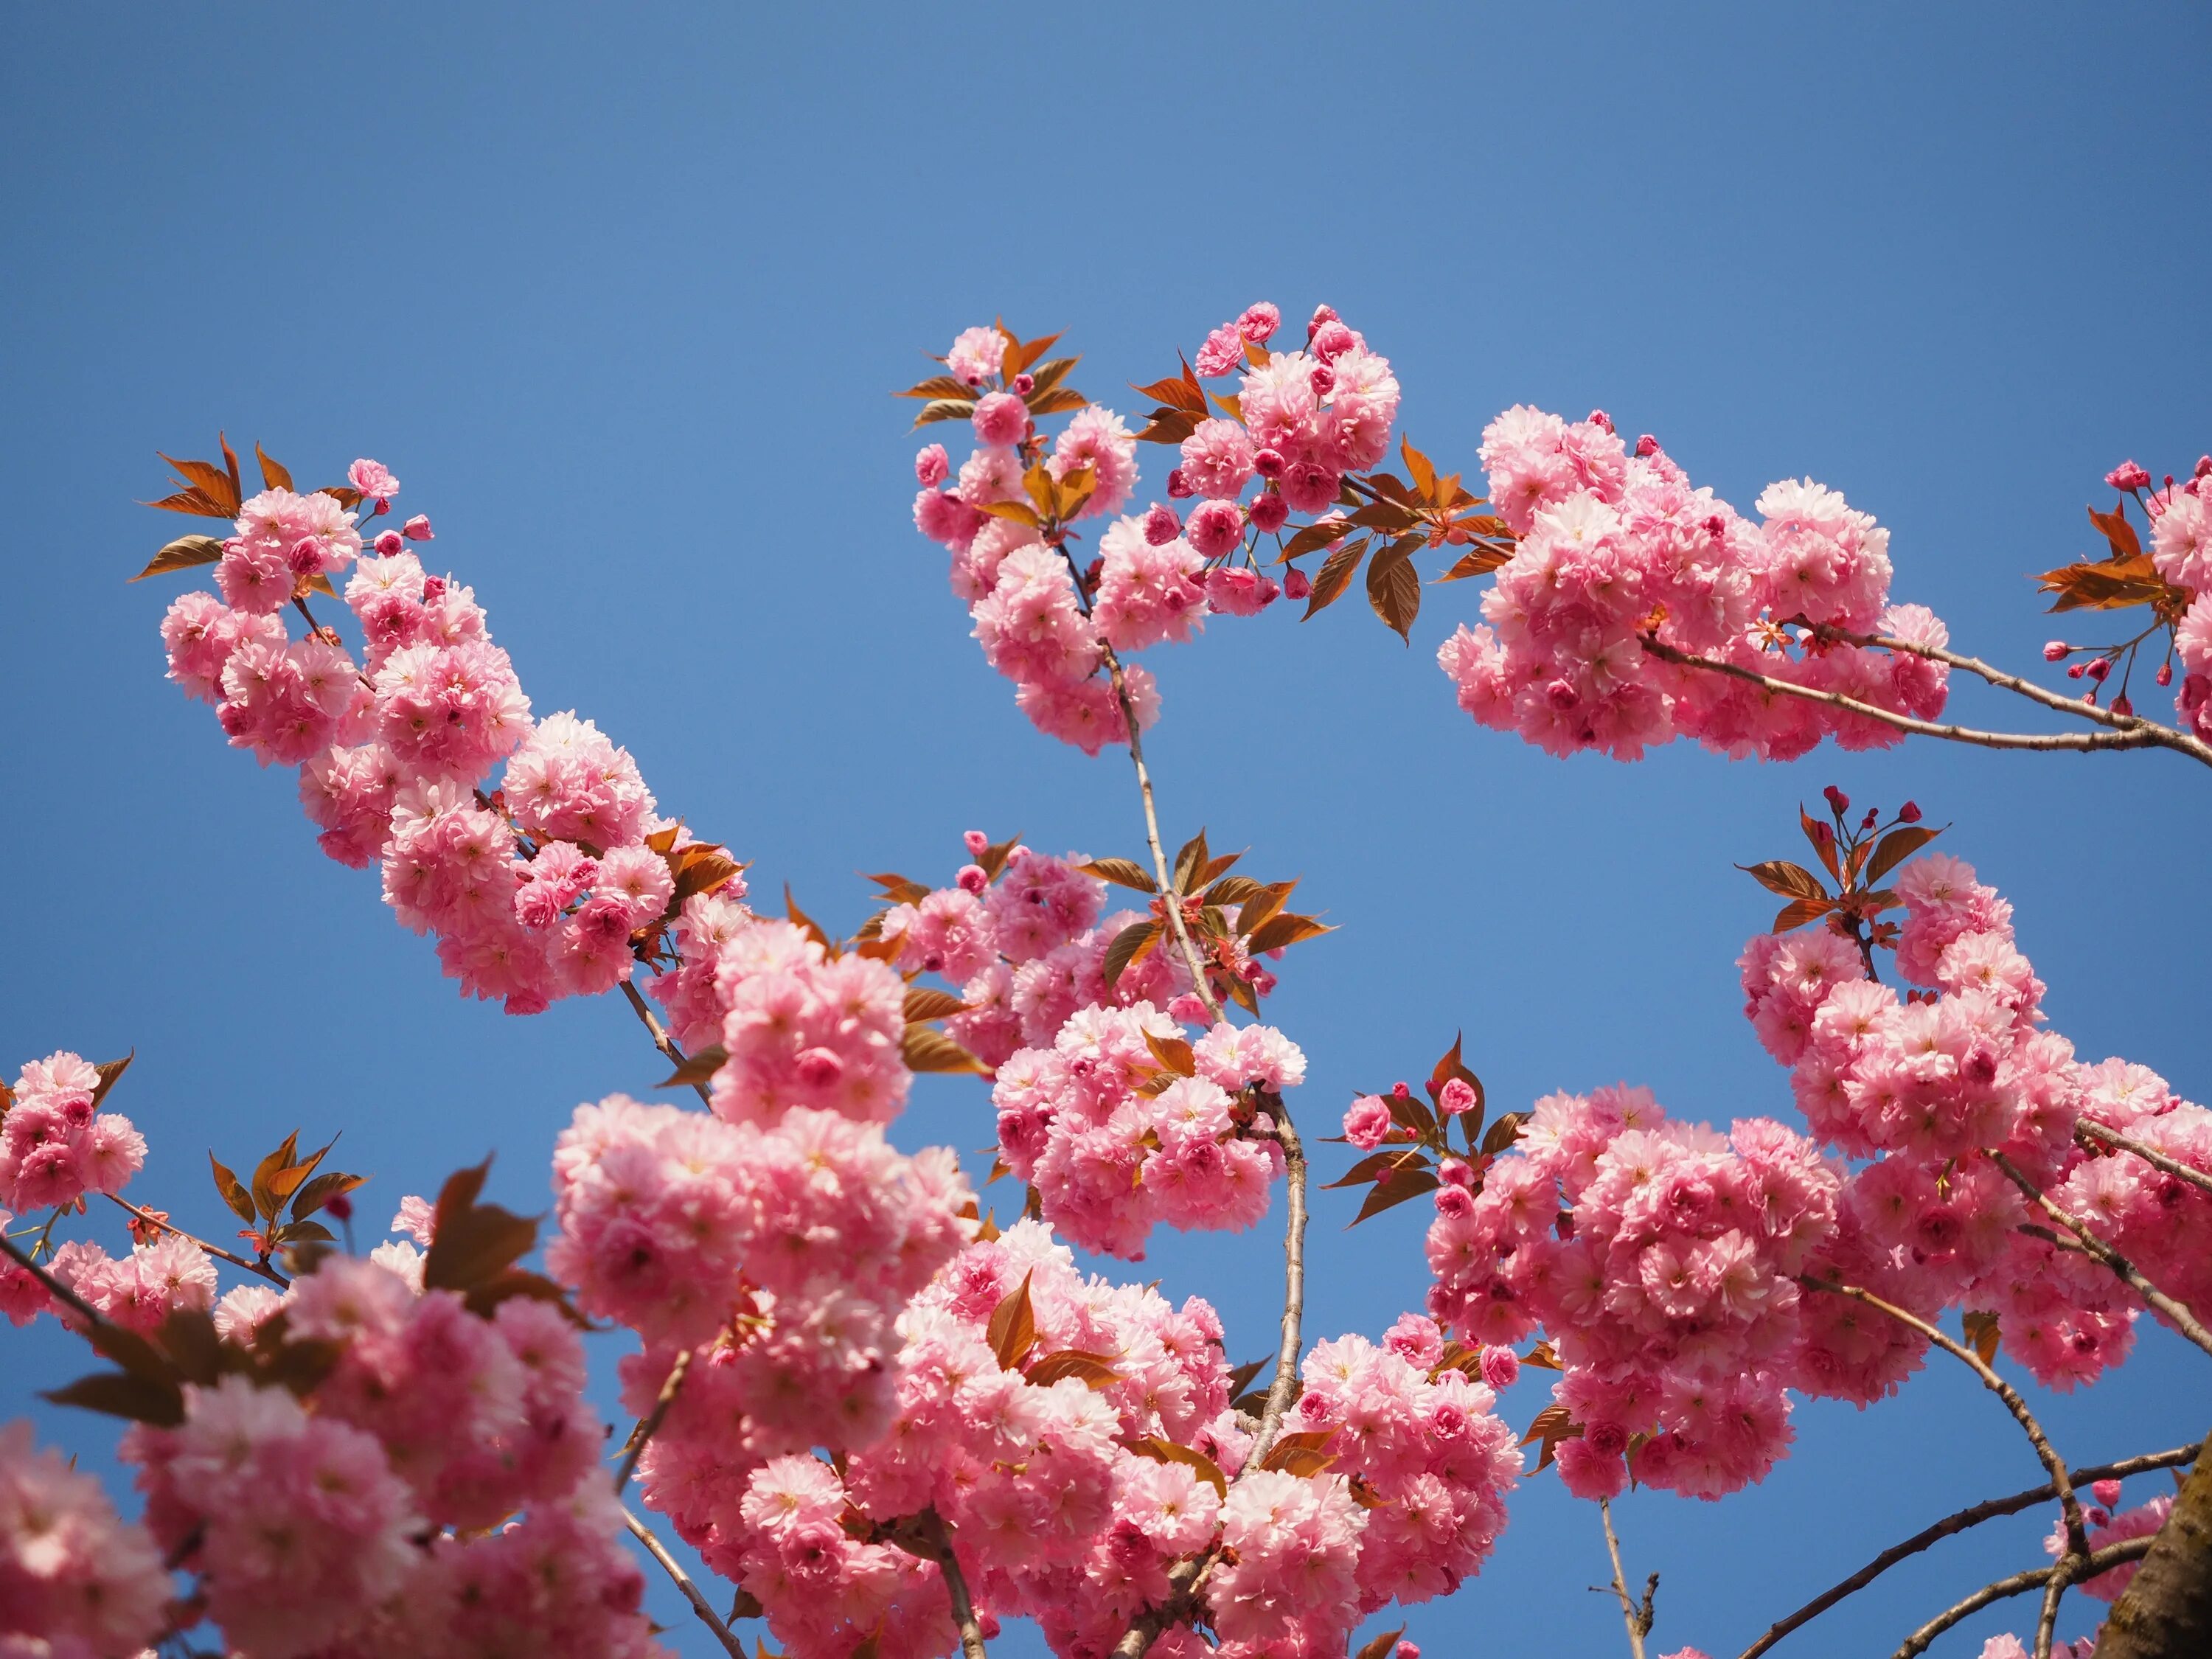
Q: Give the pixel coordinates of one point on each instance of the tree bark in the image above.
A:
(2166, 1611)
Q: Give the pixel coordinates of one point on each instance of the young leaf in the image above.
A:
(265, 1198)
(471, 1245)
(699, 1066)
(234, 1192)
(1478, 561)
(1896, 847)
(937, 386)
(1790, 880)
(1552, 1424)
(1123, 872)
(1128, 946)
(1315, 536)
(1335, 575)
(1394, 591)
(110, 1070)
(1012, 1330)
(1503, 1133)
(946, 409)
(995, 856)
(1166, 1451)
(1173, 1053)
(1241, 1378)
(1381, 1647)
(273, 477)
(1299, 1453)
(182, 553)
(319, 1192)
(1395, 1190)
(1798, 911)
(1093, 1371)
(926, 1049)
(2117, 532)
(1284, 929)
(923, 1004)
(119, 1394)
(1982, 1335)
(1419, 468)
(1189, 859)
(1381, 1165)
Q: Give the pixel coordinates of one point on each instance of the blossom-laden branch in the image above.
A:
(2182, 1319)
(1989, 1509)
(2076, 1529)
(2132, 734)
(649, 1425)
(161, 1224)
(682, 1579)
(1637, 1617)
(661, 1040)
(2087, 1131)
(2104, 1560)
(939, 1543)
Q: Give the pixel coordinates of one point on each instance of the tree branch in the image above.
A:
(708, 1616)
(2139, 734)
(150, 1220)
(1638, 1621)
(661, 1040)
(2158, 1160)
(956, 1584)
(649, 1425)
(2182, 1319)
(1988, 1510)
(2077, 1535)
(2112, 1555)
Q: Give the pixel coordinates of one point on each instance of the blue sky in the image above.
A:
(619, 294)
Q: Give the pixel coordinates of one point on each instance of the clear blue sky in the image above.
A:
(618, 292)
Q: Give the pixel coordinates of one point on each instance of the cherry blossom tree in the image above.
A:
(888, 1421)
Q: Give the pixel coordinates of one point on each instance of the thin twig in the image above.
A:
(955, 1584)
(649, 1425)
(55, 1288)
(2182, 1319)
(1638, 1621)
(661, 1040)
(1950, 1524)
(217, 1250)
(2150, 1155)
(2046, 1620)
(708, 1616)
(2112, 1555)
(2077, 1535)
(2139, 735)
(1294, 1290)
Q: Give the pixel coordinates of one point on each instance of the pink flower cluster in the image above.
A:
(788, 1248)
(75, 1582)
(140, 1289)
(2107, 1528)
(1114, 1143)
(1662, 1258)
(56, 1146)
(319, 1525)
(1422, 1437)
(1305, 418)
(2181, 549)
(534, 891)
(1617, 545)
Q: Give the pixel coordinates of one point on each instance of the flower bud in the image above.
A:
(1838, 802)
(2166, 673)
(975, 842)
(1321, 314)
(416, 529)
(2122, 705)
(1269, 513)
(2077, 670)
(1025, 383)
(1179, 487)
(1161, 525)
(2127, 476)
(1908, 814)
(1323, 379)
(2056, 650)
(433, 589)
(1269, 463)
(2106, 1492)
(390, 542)
(1647, 445)
(2098, 667)
(1331, 341)
(339, 1207)
(1295, 584)
(1600, 419)
(971, 879)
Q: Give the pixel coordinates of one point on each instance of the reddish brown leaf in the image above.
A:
(1093, 1371)
(1123, 872)
(937, 386)
(1394, 591)
(1477, 561)
(1898, 845)
(926, 1049)
(1334, 576)
(1790, 880)
(273, 476)
(233, 1190)
(1166, 1451)
(1982, 1335)
(1012, 1330)
(946, 409)
(924, 1003)
(1129, 946)
(1389, 1193)
(2117, 532)
(1798, 911)
(1060, 400)
(182, 553)
(1381, 1645)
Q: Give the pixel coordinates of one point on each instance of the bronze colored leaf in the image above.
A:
(1381, 1165)
(1798, 911)
(119, 1394)
(946, 409)
(2117, 532)
(1018, 512)
(1178, 392)
(1982, 1335)
(1060, 400)
(1552, 1424)
(1241, 1378)
(1790, 880)
(1544, 1356)
(995, 856)
(233, 1191)
(1093, 1371)
(1162, 1451)
(472, 1243)
(926, 1049)
(1262, 905)
(1898, 845)
(1190, 858)
(273, 476)
(805, 923)
(264, 1196)
(1122, 873)
(1335, 576)
(181, 554)
(1173, 1053)
(1419, 468)
(1284, 929)
(1478, 561)
(1394, 1190)
(699, 1066)
(938, 386)
(1234, 889)
(700, 868)
(1381, 1647)
(1012, 1330)
(217, 485)
(1128, 946)
(1292, 1448)
(924, 1003)
(1315, 536)
(1051, 374)
(1231, 405)
(1503, 1133)
(901, 889)
(1167, 426)
(319, 1192)
(345, 494)
(1394, 591)
(110, 1071)
(2111, 585)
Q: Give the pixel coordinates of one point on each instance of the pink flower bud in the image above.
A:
(1908, 814)
(2166, 673)
(377, 509)
(971, 878)
(1838, 802)
(1000, 418)
(1214, 528)
(2098, 667)
(389, 542)
(1647, 445)
(1331, 341)
(1295, 584)
(975, 842)
(433, 589)
(1161, 525)
(1873, 816)
(1406, 1650)
(2077, 670)
(339, 1206)
(818, 1068)
(1025, 383)
(416, 529)
(1269, 513)
(1189, 1010)
(1259, 323)
(931, 466)
(1599, 418)
(2203, 468)
(1456, 1172)
(1323, 379)
(2122, 705)
(2127, 476)
(1178, 486)
(1456, 1096)
(2106, 1492)
(2056, 650)
(1269, 463)
(1501, 1367)
(1321, 314)
(1093, 572)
